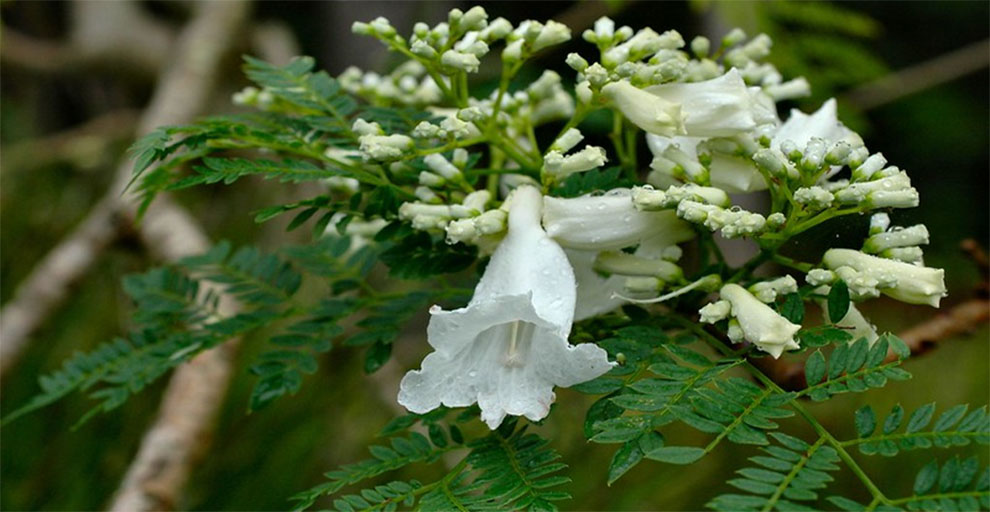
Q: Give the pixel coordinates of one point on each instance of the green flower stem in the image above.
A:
(620, 147)
(770, 384)
(790, 262)
(430, 66)
(580, 112)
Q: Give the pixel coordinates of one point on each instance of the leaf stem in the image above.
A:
(769, 383)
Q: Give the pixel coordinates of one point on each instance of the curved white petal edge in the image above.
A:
(508, 347)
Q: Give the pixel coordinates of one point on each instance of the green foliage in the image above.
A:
(958, 484)
(790, 471)
(591, 181)
(419, 255)
(509, 469)
(952, 428)
(853, 367)
(305, 92)
(667, 382)
(401, 452)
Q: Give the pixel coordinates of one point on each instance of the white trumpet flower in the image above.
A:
(508, 347)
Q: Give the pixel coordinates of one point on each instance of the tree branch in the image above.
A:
(919, 77)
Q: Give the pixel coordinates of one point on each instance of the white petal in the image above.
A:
(648, 111)
(735, 174)
(731, 173)
(508, 348)
(528, 261)
(471, 365)
(607, 222)
(800, 127)
(719, 107)
(594, 292)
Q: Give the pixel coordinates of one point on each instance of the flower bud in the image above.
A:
(643, 284)
(760, 325)
(879, 222)
(461, 230)
(552, 33)
(768, 291)
(438, 164)
(797, 88)
(567, 140)
(576, 62)
(715, 311)
(477, 200)
(906, 254)
(615, 262)
(491, 222)
(428, 179)
(474, 19)
(700, 46)
(820, 276)
(559, 166)
(913, 284)
(410, 210)
(496, 30)
(362, 127)
(893, 199)
(914, 235)
(385, 147)
(867, 169)
(776, 220)
(735, 36)
(459, 60)
(815, 198)
(426, 195)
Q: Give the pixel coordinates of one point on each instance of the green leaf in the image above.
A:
(921, 417)
(376, 356)
(846, 504)
(814, 368)
(893, 419)
(793, 308)
(838, 301)
(582, 183)
(822, 336)
(926, 478)
(418, 256)
(950, 418)
(676, 454)
(866, 421)
(625, 458)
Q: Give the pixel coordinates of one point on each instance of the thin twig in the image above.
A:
(919, 77)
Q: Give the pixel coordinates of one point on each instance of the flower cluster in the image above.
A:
(709, 117)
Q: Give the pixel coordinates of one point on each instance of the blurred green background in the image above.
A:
(939, 133)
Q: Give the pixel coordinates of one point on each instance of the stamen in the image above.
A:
(668, 296)
(512, 356)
